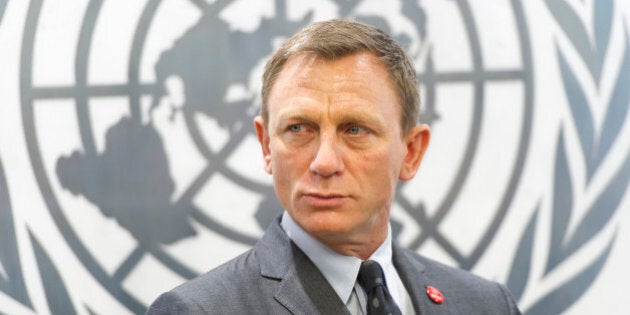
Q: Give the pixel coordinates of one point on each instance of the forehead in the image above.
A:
(355, 78)
(307, 66)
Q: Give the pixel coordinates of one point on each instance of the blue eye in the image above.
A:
(354, 130)
(296, 127)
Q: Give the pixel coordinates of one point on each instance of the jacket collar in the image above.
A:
(412, 273)
(302, 288)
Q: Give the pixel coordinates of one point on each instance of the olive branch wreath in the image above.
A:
(594, 148)
(12, 281)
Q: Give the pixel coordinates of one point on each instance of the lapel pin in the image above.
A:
(435, 295)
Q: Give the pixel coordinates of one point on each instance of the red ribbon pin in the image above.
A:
(435, 295)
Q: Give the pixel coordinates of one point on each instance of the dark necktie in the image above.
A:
(379, 301)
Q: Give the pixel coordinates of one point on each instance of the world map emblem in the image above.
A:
(165, 156)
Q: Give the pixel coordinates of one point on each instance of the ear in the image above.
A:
(263, 138)
(416, 142)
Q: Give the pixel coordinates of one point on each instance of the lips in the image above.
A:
(325, 196)
(319, 200)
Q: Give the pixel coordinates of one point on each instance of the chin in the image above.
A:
(327, 226)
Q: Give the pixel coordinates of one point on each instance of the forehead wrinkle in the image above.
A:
(340, 108)
(323, 82)
(299, 112)
(336, 77)
(353, 114)
(337, 113)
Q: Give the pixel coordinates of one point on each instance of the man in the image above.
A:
(338, 130)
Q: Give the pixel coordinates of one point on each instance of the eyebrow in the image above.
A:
(297, 114)
(345, 117)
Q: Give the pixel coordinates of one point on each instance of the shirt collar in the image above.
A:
(339, 270)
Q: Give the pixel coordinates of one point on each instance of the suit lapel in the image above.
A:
(302, 288)
(305, 290)
(411, 272)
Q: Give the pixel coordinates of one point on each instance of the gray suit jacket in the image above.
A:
(276, 277)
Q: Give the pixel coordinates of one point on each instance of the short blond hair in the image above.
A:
(338, 38)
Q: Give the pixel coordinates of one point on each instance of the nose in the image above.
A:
(328, 160)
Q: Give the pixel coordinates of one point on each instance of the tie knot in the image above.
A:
(371, 275)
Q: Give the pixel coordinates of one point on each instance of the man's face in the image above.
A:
(335, 148)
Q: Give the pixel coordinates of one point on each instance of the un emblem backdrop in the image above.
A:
(129, 164)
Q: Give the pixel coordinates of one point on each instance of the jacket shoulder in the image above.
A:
(225, 289)
(467, 291)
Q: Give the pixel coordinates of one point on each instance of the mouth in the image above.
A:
(324, 195)
(324, 200)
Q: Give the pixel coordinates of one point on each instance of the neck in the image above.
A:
(362, 246)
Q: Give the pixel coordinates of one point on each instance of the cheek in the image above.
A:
(280, 167)
(379, 162)
(286, 168)
(281, 182)
(379, 171)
